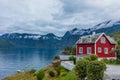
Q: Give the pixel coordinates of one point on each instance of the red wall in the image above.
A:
(108, 45)
(85, 48)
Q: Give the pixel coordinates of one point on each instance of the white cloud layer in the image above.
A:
(57, 16)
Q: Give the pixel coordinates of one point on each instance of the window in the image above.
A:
(99, 50)
(102, 39)
(88, 50)
(80, 50)
(106, 50)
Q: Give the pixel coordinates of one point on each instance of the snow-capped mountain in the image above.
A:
(21, 36)
(50, 40)
(106, 24)
(30, 36)
(50, 36)
(77, 31)
(111, 25)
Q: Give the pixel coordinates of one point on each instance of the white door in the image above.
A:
(89, 51)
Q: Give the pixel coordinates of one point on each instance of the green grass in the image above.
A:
(31, 76)
(21, 76)
(70, 76)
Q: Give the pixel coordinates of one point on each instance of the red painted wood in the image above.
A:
(85, 48)
(107, 44)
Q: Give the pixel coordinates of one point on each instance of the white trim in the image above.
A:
(99, 37)
(95, 48)
(108, 39)
(96, 42)
(106, 50)
(102, 40)
(81, 50)
(99, 50)
(90, 49)
(115, 52)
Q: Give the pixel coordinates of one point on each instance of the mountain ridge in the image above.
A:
(50, 40)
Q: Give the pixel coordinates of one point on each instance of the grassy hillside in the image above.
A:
(21, 76)
(27, 75)
(115, 34)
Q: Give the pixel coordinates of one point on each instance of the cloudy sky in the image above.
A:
(56, 16)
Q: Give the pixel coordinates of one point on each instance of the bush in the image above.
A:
(56, 57)
(32, 71)
(117, 61)
(63, 72)
(95, 70)
(93, 57)
(73, 50)
(72, 58)
(111, 61)
(87, 58)
(105, 60)
(58, 69)
(81, 68)
(52, 74)
(40, 75)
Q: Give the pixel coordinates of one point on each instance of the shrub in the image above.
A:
(117, 61)
(63, 72)
(95, 70)
(58, 69)
(72, 58)
(87, 58)
(105, 60)
(56, 57)
(32, 71)
(81, 68)
(52, 74)
(40, 75)
(111, 61)
(93, 57)
(57, 63)
(73, 50)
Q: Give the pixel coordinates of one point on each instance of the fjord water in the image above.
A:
(12, 60)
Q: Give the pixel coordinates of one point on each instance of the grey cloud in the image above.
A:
(57, 16)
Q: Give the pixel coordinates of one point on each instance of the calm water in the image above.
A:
(12, 60)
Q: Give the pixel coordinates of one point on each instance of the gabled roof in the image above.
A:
(93, 38)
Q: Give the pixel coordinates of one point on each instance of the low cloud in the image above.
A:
(57, 16)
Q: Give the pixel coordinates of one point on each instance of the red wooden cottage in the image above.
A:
(99, 44)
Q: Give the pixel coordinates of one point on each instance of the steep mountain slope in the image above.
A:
(13, 40)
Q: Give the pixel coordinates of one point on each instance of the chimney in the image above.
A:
(93, 33)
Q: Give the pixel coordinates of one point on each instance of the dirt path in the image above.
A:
(113, 72)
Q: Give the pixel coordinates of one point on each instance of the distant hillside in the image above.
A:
(24, 40)
(115, 34)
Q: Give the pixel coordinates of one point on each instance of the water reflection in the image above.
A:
(12, 60)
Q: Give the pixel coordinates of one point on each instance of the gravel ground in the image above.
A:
(113, 72)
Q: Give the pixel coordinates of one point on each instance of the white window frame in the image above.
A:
(102, 39)
(89, 48)
(106, 50)
(80, 49)
(99, 49)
